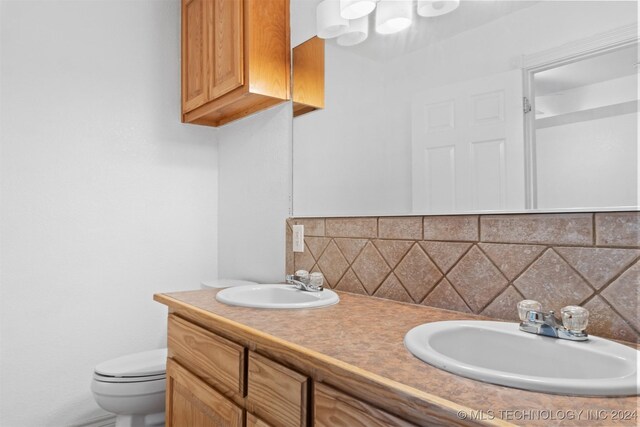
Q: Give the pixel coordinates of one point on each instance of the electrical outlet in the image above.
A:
(298, 238)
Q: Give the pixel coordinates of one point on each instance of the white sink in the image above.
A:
(276, 296)
(499, 353)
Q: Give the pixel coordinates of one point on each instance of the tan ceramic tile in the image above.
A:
(624, 295)
(618, 229)
(504, 306)
(288, 253)
(605, 322)
(571, 229)
(417, 273)
(352, 227)
(393, 250)
(350, 247)
(332, 264)
(445, 296)
(598, 265)
(312, 226)
(445, 254)
(553, 282)
(476, 279)
(317, 245)
(303, 260)
(511, 259)
(392, 289)
(459, 228)
(370, 268)
(409, 227)
(351, 283)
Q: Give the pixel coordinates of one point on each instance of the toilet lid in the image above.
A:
(147, 363)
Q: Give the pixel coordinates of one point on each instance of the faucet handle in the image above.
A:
(302, 274)
(316, 279)
(575, 318)
(526, 306)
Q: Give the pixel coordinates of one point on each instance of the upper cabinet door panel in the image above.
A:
(225, 47)
(194, 53)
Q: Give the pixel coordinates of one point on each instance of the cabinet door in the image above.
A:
(190, 402)
(194, 53)
(275, 393)
(225, 47)
(253, 421)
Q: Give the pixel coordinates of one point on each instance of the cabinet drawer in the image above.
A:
(276, 394)
(333, 408)
(218, 361)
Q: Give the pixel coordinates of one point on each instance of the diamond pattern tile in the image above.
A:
(477, 279)
(370, 268)
(392, 289)
(393, 250)
(598, 265)
(624, 295)
(350, 247)
(316, 245)
(603, 321)
(505, 305)
(444, 296)
(553, 282)
(417, 273)
(445, 254)
(351, 283)
(511, 259)
(332, 264)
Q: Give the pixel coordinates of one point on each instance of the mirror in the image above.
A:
(498, 106)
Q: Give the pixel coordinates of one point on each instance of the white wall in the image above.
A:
(105, 197)
(255, 183)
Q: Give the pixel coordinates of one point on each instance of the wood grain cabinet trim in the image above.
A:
(275, 393)
(308, 76)
(333, 408)
(191, 402)
(218, 361)
(253, 421)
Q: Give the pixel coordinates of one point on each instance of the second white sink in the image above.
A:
(276, 296)
(500, 353)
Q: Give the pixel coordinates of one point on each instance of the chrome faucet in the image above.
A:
(306, 282)
(535, 321)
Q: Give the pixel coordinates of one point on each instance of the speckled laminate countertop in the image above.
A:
(367, 334)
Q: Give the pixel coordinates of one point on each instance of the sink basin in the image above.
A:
(499, 353)
(276, 296)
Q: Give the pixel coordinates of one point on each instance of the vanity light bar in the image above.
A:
(348, 19)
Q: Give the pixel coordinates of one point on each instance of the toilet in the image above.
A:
(133, 388)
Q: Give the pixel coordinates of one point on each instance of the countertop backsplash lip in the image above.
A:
(485, 263)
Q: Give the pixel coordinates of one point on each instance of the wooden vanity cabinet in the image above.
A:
(235, 58)
(213, 381)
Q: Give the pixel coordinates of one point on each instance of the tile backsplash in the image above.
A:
(485, 264)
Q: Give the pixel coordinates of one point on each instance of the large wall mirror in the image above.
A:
(498, 106)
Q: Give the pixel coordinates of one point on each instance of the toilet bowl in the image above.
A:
(133, 388)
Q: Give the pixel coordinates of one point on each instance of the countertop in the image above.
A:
(365, 335)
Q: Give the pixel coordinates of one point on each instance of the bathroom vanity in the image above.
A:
(340, 365)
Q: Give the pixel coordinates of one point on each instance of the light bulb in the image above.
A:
(357, 32)
(329, 23)
(393, 16)
(430, 8)
(354, 9)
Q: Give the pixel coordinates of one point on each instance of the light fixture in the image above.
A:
(356, 33)
(430, 8)
(355, 9)
(348, 19)
(393, 16)
(328, 20)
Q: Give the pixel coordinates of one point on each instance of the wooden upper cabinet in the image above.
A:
(235, 58)
(308, 76)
